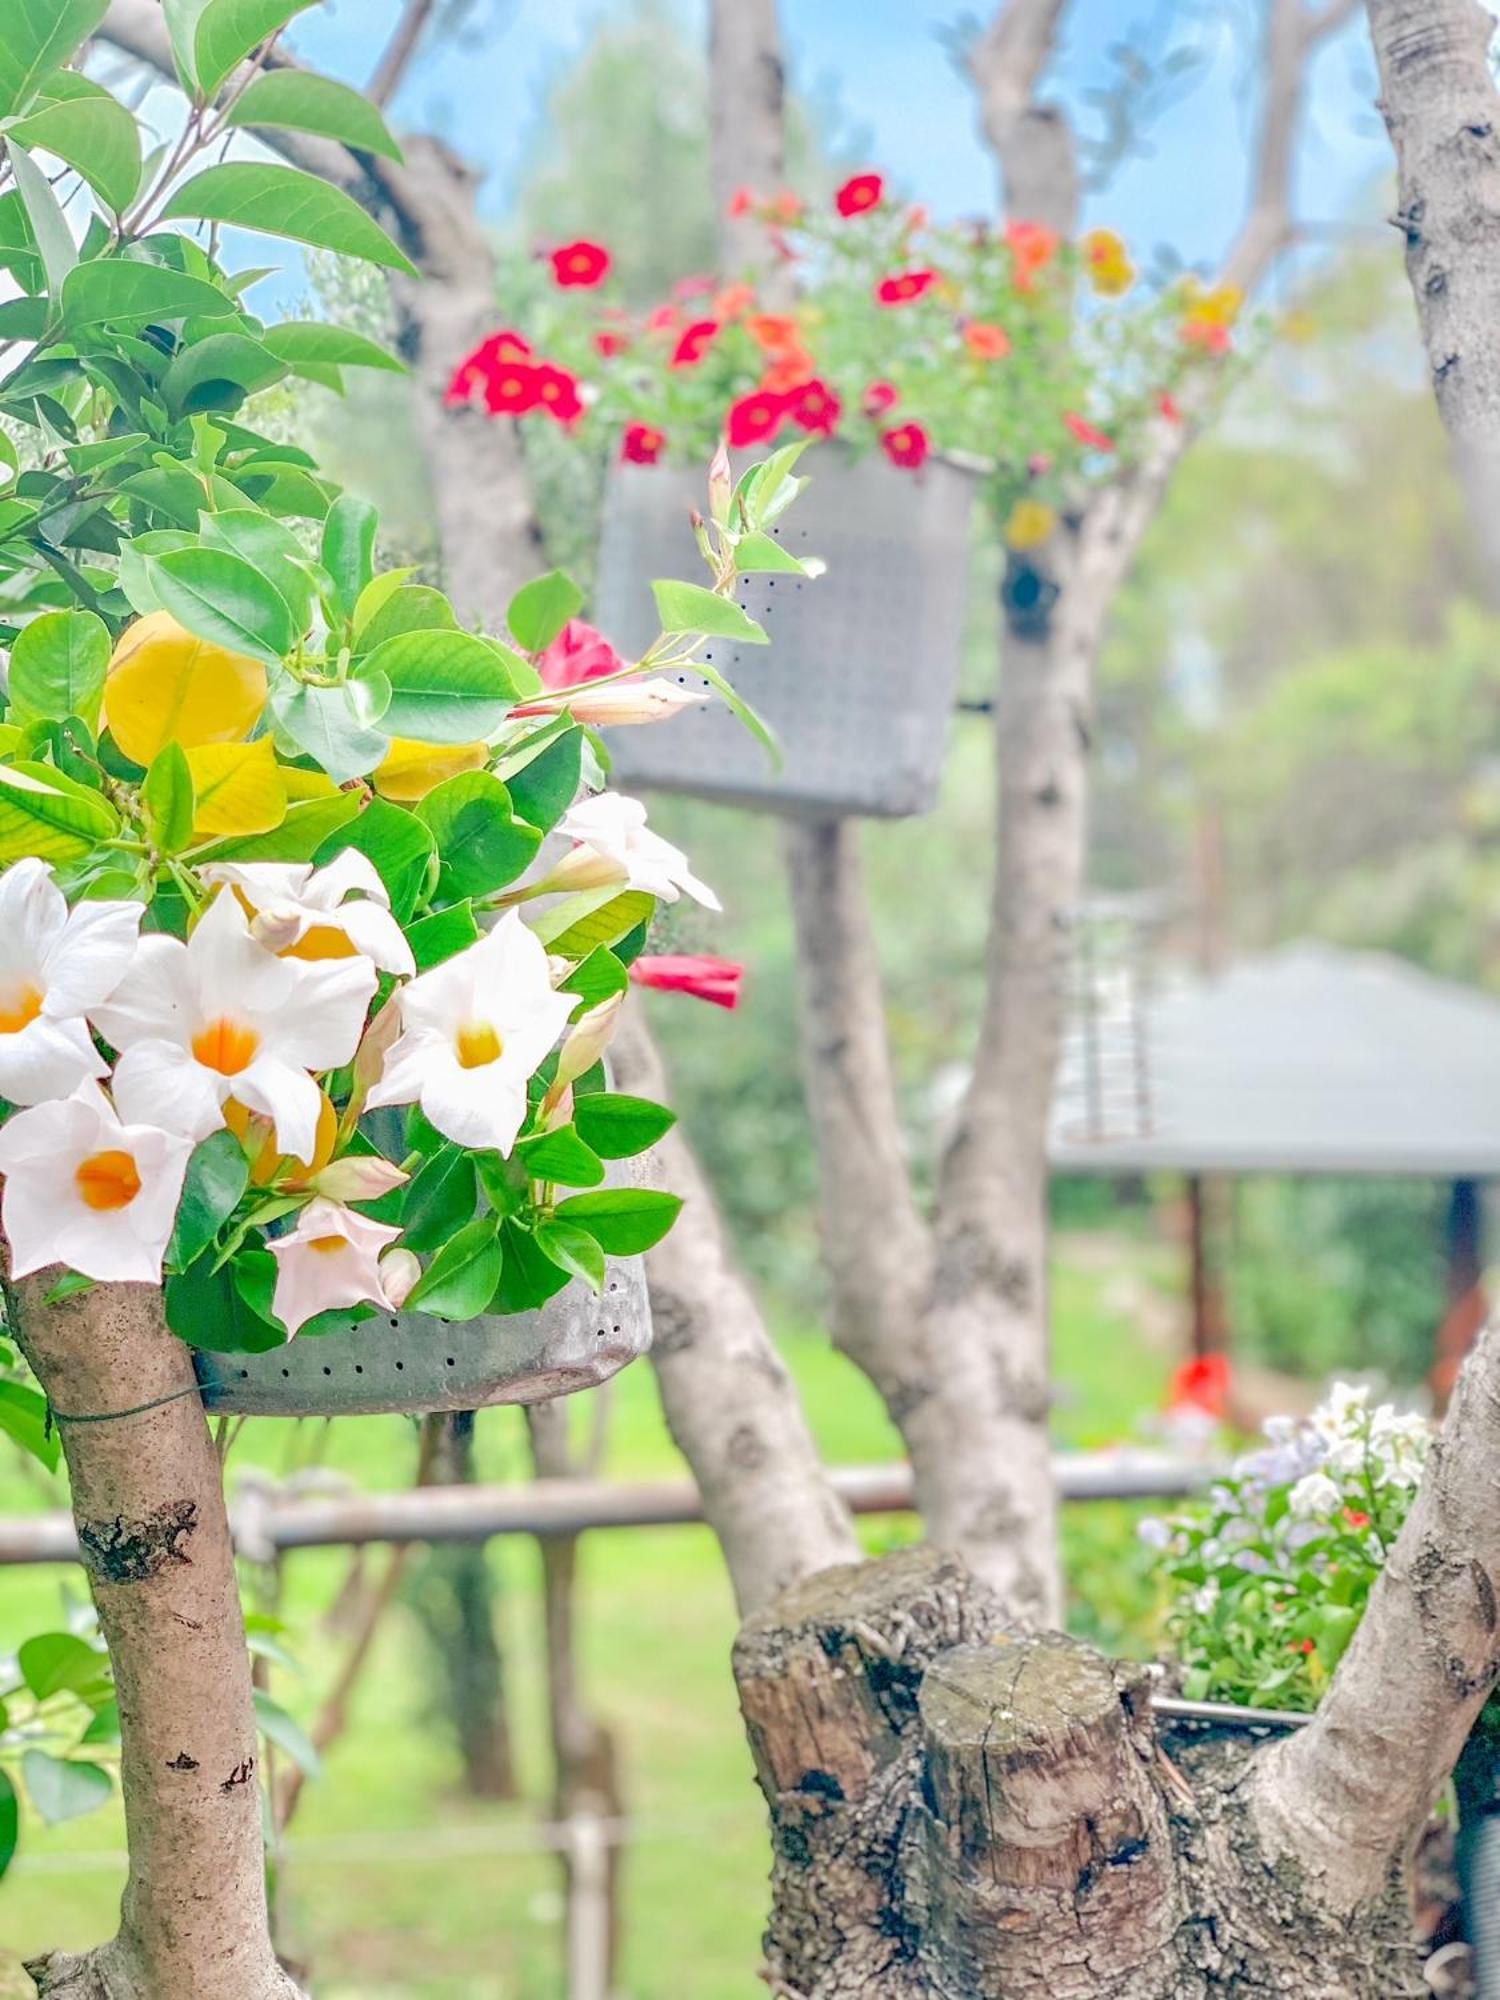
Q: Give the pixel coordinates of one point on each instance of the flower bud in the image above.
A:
(399, 1272)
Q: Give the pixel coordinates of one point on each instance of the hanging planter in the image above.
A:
(410, 1362)
(859, 680)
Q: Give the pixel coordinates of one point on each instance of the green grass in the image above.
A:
(397, 1887)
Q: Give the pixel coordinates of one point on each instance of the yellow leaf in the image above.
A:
(166, 686)
(240, 788)
(302, 784)
(410, 770)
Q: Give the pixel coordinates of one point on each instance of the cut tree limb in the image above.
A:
(149, 1504)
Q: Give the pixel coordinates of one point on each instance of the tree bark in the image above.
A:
(148, 1500)
(746, 106)
(1441, 108)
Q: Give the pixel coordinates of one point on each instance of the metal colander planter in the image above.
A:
(410, 1362)
(860, 676)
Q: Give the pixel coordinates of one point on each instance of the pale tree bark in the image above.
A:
(1442, 111)
(746, 103)
(149, 1503)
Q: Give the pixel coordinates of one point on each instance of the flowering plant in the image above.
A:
(1268, 1576)
(315, 919)
(880, 329)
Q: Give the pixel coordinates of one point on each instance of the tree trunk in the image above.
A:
(149, 1504)
(960, 1812)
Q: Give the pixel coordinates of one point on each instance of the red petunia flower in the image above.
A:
(557, 393)
(717, 980)
(880, 397)
(1087, 433)
(741, 202)
(907, 446)
(581, 263)
(817, 409)
(663, 319)
(579, 653)
(609, 342)
(511, 389)
(756, 418)
(862, 192)
(642, 444)
(904, 286)
(694, 343)
(1356, 1517)
(472, 373)
(1170, 408)
(1202, 1383)
(1210, 335)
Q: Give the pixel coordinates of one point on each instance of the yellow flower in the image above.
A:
(1030, 523)
(165, 685)
(1218, 305)
(1110, 269)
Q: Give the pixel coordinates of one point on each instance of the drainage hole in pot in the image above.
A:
(359, 1368)
(451, 1362)
(286, 1374)
(244, 1374)
(327, 1371)
(400, 1365)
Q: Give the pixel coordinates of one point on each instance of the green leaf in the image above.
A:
(104, 1728)
(169, 799)
(447, 686)
(49, 226)
(57, 667)
(306, 827)
(41, 35)
(349, 547)
(623, 1221)
(208, 1309)
(269, 546)
(325, 725)
(285, 202)
(388, 607)
(561, 1156)
(286, 1733)
(755, 553)
(460, 1281)
(221, 598)
(740, 708)
(618, 1127)
(542, 789)
(442, 935)
(61, 1662)
(23, 1419)
(304, 343)
(94, 134)
(217, 373)
(480, 843)
(10, 1821)
(528, 1276)
(540, 609)
(48, 815)
(61, 1789)
(572, 1249)
(597, 977)
(297, 102)
(217, 1175)
(228, 30)
(397, 843)
(182, 17)
(688, 607)
(581, 924)
(440, 1200)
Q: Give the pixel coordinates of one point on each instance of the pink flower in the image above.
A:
(907, 446)
(880, 397)
(644, 699)
(717, 980)
(756, 417)
(642, 444)
(557, 394)
(817, 409)
(330, 1260)
(1086, 433)
(582, 263)
(694, 343)
(904, 286)
(579, 653)
(859, 193)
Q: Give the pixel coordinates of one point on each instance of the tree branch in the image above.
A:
(1032, 140)
(1356, 1786)
(747, 99)
(399, 51)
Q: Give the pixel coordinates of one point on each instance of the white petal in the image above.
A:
(235, 976)
(481, 1108)
(90, 956)
(32, 914)
(287, 1096)
(47, 1059)
(154, 1000)
(159, 1083)
(320, 1022)
(375, 932)
(347, 872)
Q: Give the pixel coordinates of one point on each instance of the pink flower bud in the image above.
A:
(357, 1177)
(399, 1272)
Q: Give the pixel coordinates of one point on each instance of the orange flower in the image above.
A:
(786, 206)
(1032, 247)
(789, 371)
(733, 300)
(777, 333)
(986, 341)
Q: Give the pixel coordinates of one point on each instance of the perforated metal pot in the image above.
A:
(859, 679)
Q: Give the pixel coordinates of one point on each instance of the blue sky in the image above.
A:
(884, 64)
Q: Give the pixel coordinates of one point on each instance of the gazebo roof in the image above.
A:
(1310, 1060)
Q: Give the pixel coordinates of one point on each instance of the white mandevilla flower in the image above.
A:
(621, 702)
(1315, 1498)
(613, 828)
(330, 1260)
(84, 1189)
(475, 1029)
(338, 911)
(56, 966)
(221, 1017)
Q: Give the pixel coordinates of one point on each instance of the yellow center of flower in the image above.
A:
(20, 1003)
(327, 1246)
(108, 1180)
(226, 1046)
(322, 941)
(477, 1044)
